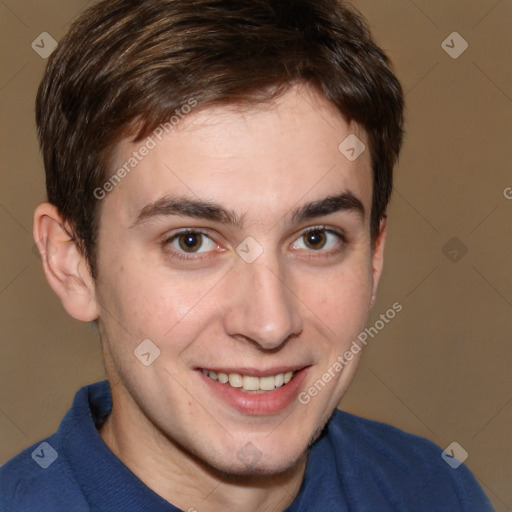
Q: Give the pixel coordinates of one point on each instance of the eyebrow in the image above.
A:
(346, 201)
(189, 208)
(183, 206)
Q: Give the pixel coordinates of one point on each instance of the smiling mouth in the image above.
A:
(251, 383)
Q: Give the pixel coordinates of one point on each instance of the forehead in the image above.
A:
(255, 161)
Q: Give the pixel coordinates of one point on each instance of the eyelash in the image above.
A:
(342, 241)
(198, 256)
(183, 255)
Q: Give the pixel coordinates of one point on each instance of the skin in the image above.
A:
(293, 306)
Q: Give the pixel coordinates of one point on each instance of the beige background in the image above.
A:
(441, 368)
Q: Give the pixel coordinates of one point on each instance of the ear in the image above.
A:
(378, 259)
(65, 267)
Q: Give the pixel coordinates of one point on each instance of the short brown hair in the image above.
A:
(126, 66)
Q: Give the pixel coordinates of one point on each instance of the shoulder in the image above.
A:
(44, 475)
(408, 469)
(38, 479)
(383, 441)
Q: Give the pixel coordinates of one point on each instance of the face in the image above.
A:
(240, 247)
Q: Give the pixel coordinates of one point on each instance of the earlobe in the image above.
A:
(65, 267)
(378, 260)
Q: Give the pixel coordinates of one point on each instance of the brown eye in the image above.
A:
(315, 239)
(191, 245)
(320, 240)
(190, 242)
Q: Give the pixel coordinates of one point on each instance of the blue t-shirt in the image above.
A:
(356, 465)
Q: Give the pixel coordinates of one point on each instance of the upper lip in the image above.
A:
(254, 372)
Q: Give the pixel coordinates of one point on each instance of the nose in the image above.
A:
(262, 306)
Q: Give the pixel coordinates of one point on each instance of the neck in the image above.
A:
(182, 478)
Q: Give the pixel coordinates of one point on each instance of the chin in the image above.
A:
(263, 468)
(244, 460)
(266, 457)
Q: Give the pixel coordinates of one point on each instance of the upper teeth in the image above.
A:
(249, 382)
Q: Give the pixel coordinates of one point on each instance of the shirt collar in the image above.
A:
(107, 484)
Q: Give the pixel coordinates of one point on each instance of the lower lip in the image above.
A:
(270, 402)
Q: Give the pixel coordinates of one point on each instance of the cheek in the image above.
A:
(163, 308)
(342, 298)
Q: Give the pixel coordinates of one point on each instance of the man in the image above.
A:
(218, 175)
